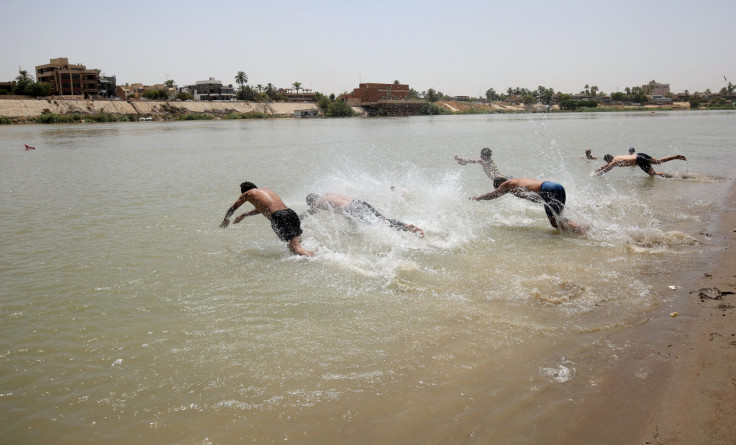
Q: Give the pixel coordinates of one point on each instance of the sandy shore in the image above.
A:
(698, 402)
(675, 380)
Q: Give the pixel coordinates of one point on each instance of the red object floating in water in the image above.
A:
(28, 147)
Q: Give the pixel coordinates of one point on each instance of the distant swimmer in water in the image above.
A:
(643, 160)
(284, 221)
(28, 147)
(355, 210)
(551, 194)
(632, 150)
(589, 154)
(485, 161)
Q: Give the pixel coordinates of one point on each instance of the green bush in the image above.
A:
(106, 117)
(53, 118)
(339, 108)
(156, 95)
(248, 115)
(5, 120)
(433, 109)
(196, 117)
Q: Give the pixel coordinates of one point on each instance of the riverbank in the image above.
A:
(27, 110)
(698, 402)
(24, 110)
(462, 107)
(675, 382)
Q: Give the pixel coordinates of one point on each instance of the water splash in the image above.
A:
(561, 374)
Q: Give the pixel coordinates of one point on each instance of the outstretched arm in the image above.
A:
(226, 222)
(492, 195)
(462, 161)
(604, 169)
(240, 218)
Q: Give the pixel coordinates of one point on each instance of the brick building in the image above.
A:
(374, 92)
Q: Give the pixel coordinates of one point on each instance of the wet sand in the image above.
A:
(675, 380)
(698, 402)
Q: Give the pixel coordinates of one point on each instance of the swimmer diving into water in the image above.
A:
(284, 221)
(355, 210)
(485, 161)
(551, 194)
(644, 161)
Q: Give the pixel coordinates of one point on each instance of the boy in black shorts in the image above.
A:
(643, 160)
(284, 221)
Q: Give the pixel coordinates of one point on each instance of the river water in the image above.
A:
(129, 315)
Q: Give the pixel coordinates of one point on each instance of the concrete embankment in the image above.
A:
(30, 108)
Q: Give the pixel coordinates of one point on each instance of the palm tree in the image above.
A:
(23, 76)
(270, 90)
(241, 78)
(259, 88)
(297, 86)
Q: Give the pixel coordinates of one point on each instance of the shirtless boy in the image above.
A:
(284, 221)
(551, 194)
(355, 210)
(643, 160)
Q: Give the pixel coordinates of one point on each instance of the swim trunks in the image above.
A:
(363, 212)
(554, 197)
(643, 160)
(286, 224)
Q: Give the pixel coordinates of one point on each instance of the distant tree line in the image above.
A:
(635, 94)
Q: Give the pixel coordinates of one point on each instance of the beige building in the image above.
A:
(68, 80)
(656, 89)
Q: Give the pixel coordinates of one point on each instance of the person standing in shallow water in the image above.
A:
(589, 154)
(485, 161)
(551, 194)
(284, 221)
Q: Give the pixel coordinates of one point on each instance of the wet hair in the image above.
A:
(312, 198)
(608, 158)
(485, 153)
(245, 186)
(588, 150)
(498, 180)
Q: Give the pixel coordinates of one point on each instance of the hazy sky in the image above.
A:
(458, 47)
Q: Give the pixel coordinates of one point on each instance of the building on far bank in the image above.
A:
(384, 99)
(374, 92)
(69, 80)
(302, 95)
(107, 87)
(309, 112)
(656, 89)
(660, 100)
(210, 89)
(7, 87)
